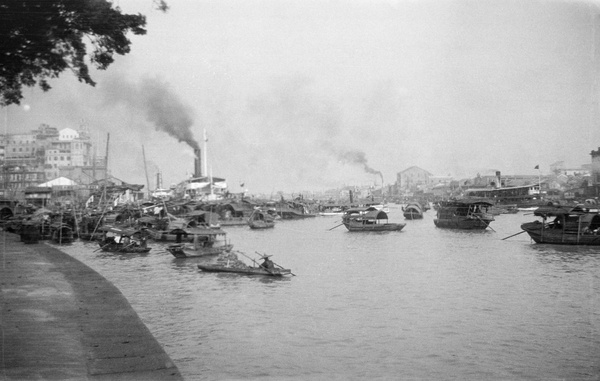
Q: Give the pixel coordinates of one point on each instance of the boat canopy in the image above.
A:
(368, 213)
(469, 201)
(413, 205)
(591, 221)
(557, 210)
(205, 231)
(376, 215)
(360, 210)
(119, 231)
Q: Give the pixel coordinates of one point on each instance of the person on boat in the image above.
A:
(267, 263)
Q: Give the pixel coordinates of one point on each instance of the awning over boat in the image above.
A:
(470, 201)
(205, 231)
(360, 210)
(119, 231)
(591, 221)
(148, 220)
(375, 215)
(557, 210)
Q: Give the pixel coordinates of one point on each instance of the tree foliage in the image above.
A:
(39, 39)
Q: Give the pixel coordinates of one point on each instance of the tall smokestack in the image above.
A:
(498, 180)
(197, 163)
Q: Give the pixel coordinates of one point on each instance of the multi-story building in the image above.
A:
(413, 178)
(595, 169)
(45, 154)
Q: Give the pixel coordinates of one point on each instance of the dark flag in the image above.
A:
(537, 167)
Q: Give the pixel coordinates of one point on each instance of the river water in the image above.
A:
(423, 303)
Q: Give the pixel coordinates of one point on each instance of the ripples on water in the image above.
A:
(423, 303)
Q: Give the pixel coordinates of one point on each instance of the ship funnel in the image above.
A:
(197, 163)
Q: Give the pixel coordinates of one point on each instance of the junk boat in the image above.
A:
(205, 241)
(571, 225)
(260, 219)
(369, 219)
(464, 214)
(413, 211)
(123, 241)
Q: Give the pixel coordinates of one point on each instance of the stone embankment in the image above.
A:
(60, 320)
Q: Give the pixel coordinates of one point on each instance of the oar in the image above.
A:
(281, 267)
(259, 266)
(487, 225)
(336, 227)
(125, 247)
(522, 231)
(108, 244)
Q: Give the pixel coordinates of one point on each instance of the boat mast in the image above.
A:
(205, 162)
(106, 159)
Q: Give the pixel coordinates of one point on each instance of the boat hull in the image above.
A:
(542, 234)
(121, 250)
(261, 225)
(181, 251)
(461, 223)
(413, 215)
(375, 227)
(245, 271)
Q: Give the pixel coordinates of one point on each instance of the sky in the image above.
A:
(302, 95)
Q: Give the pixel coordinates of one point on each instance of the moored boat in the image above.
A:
(464, 214)
(123, 241)
(61, 233)
(260, 219)
(571, 226)
(369, 219)
(413, 211)
(204, 242)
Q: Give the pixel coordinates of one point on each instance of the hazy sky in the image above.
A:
(311, 95)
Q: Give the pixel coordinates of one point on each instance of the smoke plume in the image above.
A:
(356, 157)
(158, 104)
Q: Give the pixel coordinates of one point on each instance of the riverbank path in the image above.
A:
(60, 320)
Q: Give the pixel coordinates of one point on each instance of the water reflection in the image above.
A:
(417, 304)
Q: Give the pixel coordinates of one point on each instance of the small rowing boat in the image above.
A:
(245, 270)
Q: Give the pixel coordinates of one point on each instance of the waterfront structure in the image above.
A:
(412, 178)
(46, 153)
(595, 178)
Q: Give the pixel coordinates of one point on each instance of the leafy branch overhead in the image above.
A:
(39, 39)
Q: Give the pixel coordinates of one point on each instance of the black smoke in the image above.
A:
(158, 103)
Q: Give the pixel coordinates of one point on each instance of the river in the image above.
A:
(423, 303)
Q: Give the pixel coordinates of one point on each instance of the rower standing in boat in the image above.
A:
(267, 263)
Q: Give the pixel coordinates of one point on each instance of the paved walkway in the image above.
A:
(60, 320)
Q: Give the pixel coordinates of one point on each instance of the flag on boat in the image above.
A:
(537, 167)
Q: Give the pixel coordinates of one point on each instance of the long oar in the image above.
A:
(522, 231)
(126, 247)
(253, 260)
(335, 227)
(281, 267)
(487, 225)
(108, 244)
